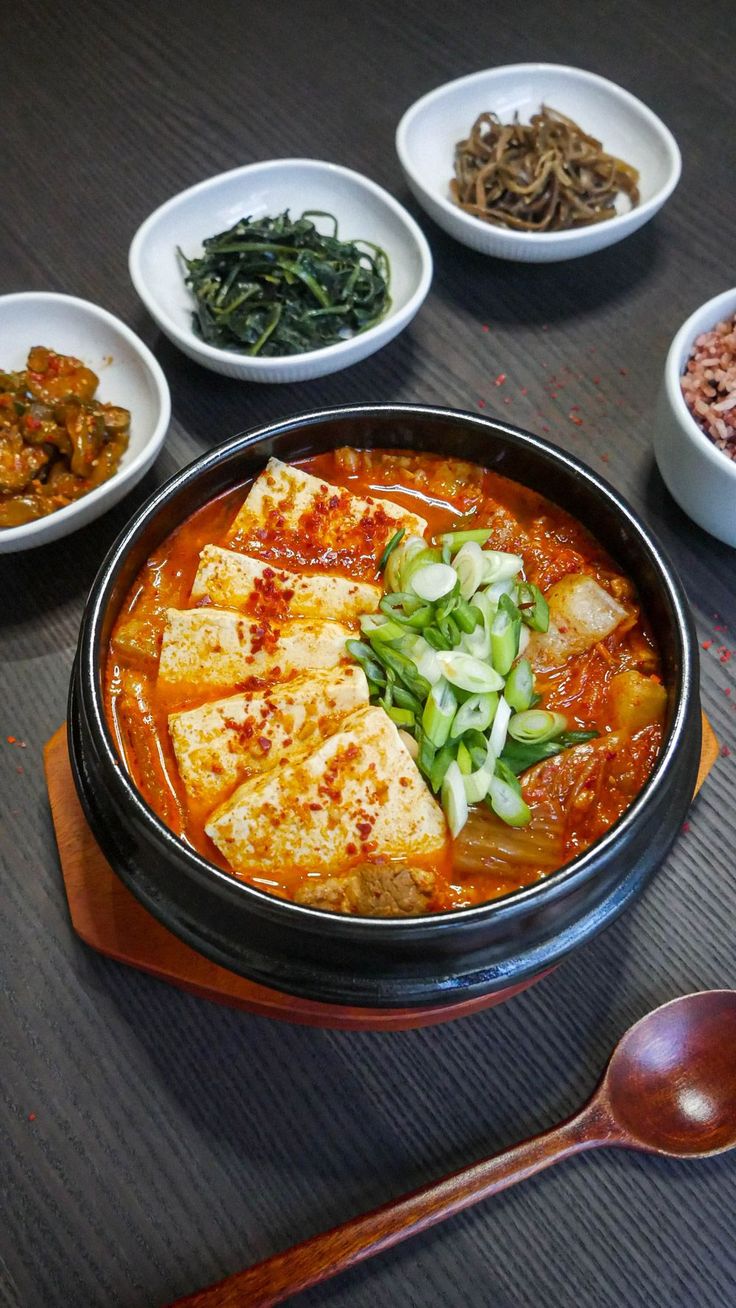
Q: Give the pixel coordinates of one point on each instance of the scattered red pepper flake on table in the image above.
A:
(501, 378)
(707, 644)
(575, 418)
(725, 751)
(624, 372)
(685, 827)
(725, 654)
(10, 739)
(31, 1117)
(605, 457)
(486, 328)
(481, 404)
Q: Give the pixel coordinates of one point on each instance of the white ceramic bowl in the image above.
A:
(697, 474)
(129, 376)
(265, 189)
(429, 130)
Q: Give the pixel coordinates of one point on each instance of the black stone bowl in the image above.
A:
(378, 963)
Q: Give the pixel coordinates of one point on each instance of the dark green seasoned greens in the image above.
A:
(273, 286)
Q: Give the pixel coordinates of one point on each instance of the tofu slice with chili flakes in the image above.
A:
(219, 744)
(205, 650)
(289, 514)
(237, 581)
(359, 795)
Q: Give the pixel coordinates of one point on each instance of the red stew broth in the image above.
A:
(448, 494)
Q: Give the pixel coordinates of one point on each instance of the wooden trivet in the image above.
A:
(110, 919)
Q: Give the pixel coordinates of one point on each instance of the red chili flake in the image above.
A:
(574, 418)
(605, 457)
(545, 427)
(553, 395)
(350, 848)
(596, 381)
(624, 372)
(31, 1117)
(685, 827)
(719, 628)
(524, 390)
(364, 829)
(32, 424)
(265, 743)
(501, 378)
(481, 404)
(10, 739)
(486, 328)
(20, 771)
(573, 407)
(727, 691)
(707, 644)
(725, 654)
(725, 751)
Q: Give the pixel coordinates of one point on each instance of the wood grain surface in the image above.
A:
(152, 1143)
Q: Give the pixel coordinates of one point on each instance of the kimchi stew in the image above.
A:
(385, 683)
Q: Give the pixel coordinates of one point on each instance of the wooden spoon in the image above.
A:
(669, 1088)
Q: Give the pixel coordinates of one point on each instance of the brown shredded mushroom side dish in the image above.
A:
(544, 176)
(57, 442)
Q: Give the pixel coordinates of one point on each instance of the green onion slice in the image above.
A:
(397, 537)
(455, 539)
(505, 633)
(399, 558)
(519, 688)
(500, 726)
(403, 717)
(478, 782)
(508, 804)
(532, 606)
(418, 558)
(433, 581)
(476, 714)
(536, 725)
(468, 673)
(470, 567)
(439, 712)
(454, 802)
(500, 566)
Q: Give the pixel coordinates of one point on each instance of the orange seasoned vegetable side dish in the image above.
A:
(57, 442)
(385, 683)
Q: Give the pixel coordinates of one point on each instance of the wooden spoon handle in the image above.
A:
(324, 1255)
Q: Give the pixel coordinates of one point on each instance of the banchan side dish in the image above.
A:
(400, 903)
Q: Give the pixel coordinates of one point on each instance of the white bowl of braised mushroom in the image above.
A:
(84, 409)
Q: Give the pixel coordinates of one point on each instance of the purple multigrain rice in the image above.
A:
(709, 384)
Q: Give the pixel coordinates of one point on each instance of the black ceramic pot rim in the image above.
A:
(314, 920)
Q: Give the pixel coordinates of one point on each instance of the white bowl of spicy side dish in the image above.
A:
(340, 202)
(698, 474)
(129, 379)
(431, 128)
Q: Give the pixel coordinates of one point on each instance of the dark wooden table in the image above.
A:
(152, 1142)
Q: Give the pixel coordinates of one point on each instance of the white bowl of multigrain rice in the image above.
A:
(696, 414)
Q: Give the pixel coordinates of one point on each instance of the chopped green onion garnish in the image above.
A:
(464, 761)
(470, 567)
(466, 616)
(433, 581)
(532, 606)
(439, 712)
(476, 714)
(417, 559)
(442, 760)
(454, 802)
(398, 560)
(519, 687)
(500, 726)
(387, 632)
(469, 673)
(434, 637)
(500, 566)
(394, 541)
(508, 804)
(454, 539)
(505, 635)
(536, 725)
(401, 716)
(520, 757)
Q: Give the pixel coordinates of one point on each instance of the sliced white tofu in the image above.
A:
(360, 795)
(580, 614)
(217, 649)
(237, 581)
(290, 513)
(218, 744)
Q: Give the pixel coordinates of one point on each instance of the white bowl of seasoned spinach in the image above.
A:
(281, 271)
